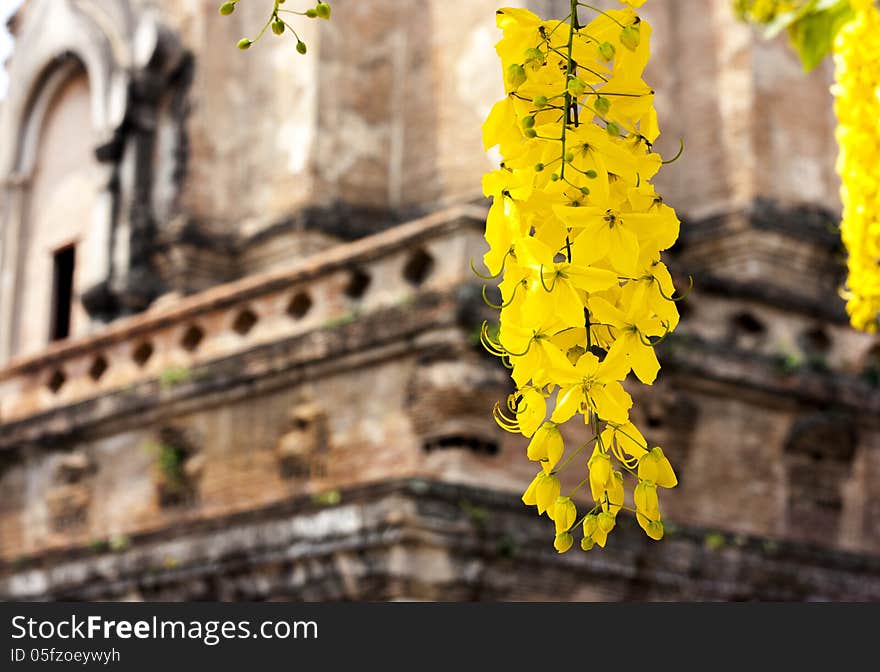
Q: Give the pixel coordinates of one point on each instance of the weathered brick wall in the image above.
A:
(314, 370)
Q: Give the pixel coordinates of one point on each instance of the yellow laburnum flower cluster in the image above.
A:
(857, 103)
(575, 232)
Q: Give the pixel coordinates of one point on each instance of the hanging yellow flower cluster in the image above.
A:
(575, 233)
(857, 103)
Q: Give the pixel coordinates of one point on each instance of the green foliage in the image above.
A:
(327, 498)
(812, 33)
(174, 375)
(478, 515)
(342, 320)
(169, 461)
(788, 363)
(119, 543)
(715, 541)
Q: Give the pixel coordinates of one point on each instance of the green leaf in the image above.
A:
(812, 34)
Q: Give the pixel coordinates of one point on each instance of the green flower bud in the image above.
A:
(539, 167)
(528, 122)
(587, 543)
(323, 10)
(577, 86)
(533, 54)
(554, 177)
(244, 43)
(540, 101)
(630, 37)
(591, 174)
(606, 51)
(613, 129)
(516, 75)
(569, 157)
(227, 8)
(301, 47)
(278, 26)
(311, 13)
(585, 191)
(602, 105)
(530, 133)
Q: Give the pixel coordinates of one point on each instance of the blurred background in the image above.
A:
(239, 351)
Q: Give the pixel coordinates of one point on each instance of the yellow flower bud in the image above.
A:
(564, 514)
(606, 522)
(546, 446)
(546, 492)
(653, 528)
(655, 467)
(529, 497)
(646, 501)
(563, 542)
(600, 473)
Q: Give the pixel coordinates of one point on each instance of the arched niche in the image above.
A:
(67, 97)
(78, 128)
(58, 214)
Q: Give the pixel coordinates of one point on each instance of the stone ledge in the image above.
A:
(704, 363)
(418, 534)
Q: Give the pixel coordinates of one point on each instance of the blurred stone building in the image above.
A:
(237, 319)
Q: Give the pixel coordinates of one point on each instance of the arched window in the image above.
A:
(63, 182)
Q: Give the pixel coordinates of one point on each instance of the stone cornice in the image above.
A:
(424, 518)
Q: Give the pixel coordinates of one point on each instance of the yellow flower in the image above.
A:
(632, 329)
(530, 411)
(591, 385)
(576, 233)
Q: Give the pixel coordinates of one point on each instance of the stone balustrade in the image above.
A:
(331, 288)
